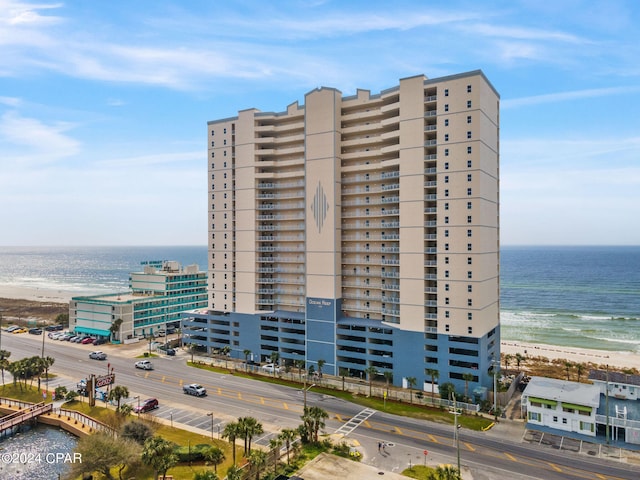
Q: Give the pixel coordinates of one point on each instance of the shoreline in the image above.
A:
(619, 359)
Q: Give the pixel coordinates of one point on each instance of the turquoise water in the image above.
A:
(587, 297)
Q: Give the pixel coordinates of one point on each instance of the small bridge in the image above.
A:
(29, 413)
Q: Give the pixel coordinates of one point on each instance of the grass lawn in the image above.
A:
(26, 394)
(415, 410)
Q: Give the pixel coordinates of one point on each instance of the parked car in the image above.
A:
(98, 355)
(12, 328)
(144, 365)
(53, 328)
(160, 333)
(146, 406)
(270, 367)
(99, 341)
(35, 331)
(194, 389)
(170, 351)
(20, 330)
(171, 330)
(87, 340)
(79, 338)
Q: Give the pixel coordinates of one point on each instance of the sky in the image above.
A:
(104, 105)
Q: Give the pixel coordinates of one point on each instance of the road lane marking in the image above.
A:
(510, 457)
(469, 446)
(432, 438)
(555, 467)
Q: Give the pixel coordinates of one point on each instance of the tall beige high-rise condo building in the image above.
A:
(359, 230)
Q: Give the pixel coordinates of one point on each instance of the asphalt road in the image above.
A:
(487, 456)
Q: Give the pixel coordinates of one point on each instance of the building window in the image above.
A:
(446, 233)
(468, 118)
(446, 207)
(469, 150)
(468, 218)
(446, 260)
(470, 288)
(446, 107)
(446, 219)
(469, 330)
(469, 233)
(468, 177)
(469, 134)
(446, 314)
(469, 191)
(446, 247)
(446, 301)
(469, 316)
(469, 260)
(469, 247)
(446, 192)
(446, 92)
(446, 137)
(446, 327)
(469, 204)
(446, 165)
(446, 287)
(446, 122)
(446, 153)
(446, 179)
(469, 274)
(446, 274)
(468, 88)
(468, 103)
(469, 302)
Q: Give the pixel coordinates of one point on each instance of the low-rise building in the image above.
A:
(157, 296)
(616, 384)
(562, 405)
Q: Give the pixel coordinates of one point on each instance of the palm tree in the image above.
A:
(246, 352)
(321, 364)
(288, 435)
(275, 356)
(371, 372)
(343, 373)
(519, 359)
(388, 376)
(467, 377)
(275, 444)
(411, 381)
(434, 374)
(117, 393)
(206, 475)
(232, 431)
(48, 363)
(159, 454)
(225, 351)
(249, 427)
(258, 459)
(314, 420)
(300, 364)
(214, 455)
(507, 360)
(446, 472)
(567, 367)
(115, 328)
(14, 368)
(579, 370)
(234, 473)
(4, 362)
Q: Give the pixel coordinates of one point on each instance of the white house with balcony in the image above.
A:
(562, 405)
(616, 384)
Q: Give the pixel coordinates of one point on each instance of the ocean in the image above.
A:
(585, 297)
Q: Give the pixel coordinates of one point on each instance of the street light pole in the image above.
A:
(456, 426)
(495, 386)
(305, 390)
(210, 414)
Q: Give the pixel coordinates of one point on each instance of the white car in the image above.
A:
(144, 365)
(194, 389)
(98, 355)
(270, 367)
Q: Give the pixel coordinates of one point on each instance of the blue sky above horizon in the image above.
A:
(104, 105)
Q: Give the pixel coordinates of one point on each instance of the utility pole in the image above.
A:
(456, 435)
(606, 401)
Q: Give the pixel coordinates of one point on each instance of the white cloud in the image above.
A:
(567, 96)
(43, 142)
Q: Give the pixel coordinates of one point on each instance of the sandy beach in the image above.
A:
(37, 294)
(575, 355)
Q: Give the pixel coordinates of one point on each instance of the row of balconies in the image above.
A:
(289, 269)
(278, 228)
(281, 216)
(281, 238)
(280, 185)
(263, 249)
(280, 206)
(281, 196)
(285, 280)
(281, 259)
